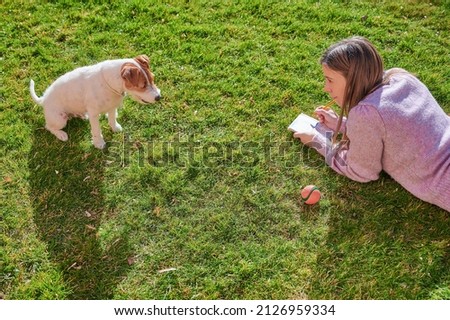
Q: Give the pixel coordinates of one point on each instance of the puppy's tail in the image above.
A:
(33, 94)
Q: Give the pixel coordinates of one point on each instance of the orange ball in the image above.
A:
(310, 194)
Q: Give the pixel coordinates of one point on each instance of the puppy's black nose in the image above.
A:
(157, 98)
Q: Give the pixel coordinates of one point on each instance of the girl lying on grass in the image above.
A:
(388, 120)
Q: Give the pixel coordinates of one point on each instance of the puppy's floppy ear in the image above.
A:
(143, 61)
(133, 76)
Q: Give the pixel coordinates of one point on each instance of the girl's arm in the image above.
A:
(361, 158)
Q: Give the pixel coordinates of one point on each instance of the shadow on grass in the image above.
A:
(66, 190)
(383, 244)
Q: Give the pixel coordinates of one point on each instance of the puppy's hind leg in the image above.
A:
(112, 120)
(54, 122)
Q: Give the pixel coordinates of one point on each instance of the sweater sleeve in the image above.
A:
(361, 158)
(343, 125)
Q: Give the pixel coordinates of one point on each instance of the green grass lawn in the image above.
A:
(198, 197)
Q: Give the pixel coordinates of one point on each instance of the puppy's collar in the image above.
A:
(109, 86)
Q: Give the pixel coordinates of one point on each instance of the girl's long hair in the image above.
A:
(361, 65)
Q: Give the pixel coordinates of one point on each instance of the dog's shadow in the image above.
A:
(66, 191)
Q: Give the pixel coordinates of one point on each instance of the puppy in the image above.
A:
(90, 91)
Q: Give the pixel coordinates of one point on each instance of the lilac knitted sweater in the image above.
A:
(401, 129)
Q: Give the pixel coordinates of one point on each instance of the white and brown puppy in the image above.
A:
(92, 90)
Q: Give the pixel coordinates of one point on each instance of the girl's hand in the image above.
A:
(328, 117)
(305, 138)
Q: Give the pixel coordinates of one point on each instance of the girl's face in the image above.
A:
(334, 84)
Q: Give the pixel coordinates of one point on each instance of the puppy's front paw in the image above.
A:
(99, 143)
(116, 127)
